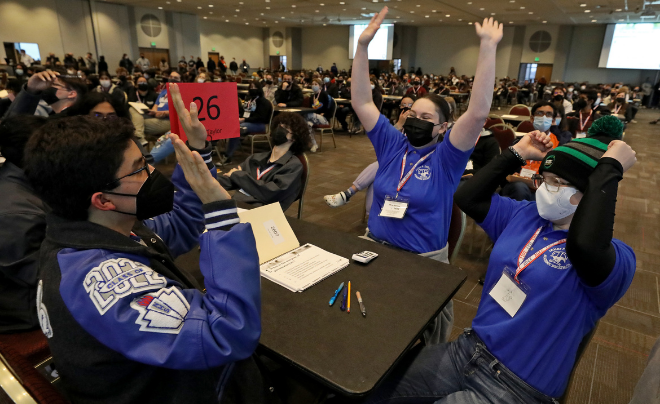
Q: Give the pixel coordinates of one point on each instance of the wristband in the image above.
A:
(518, 156)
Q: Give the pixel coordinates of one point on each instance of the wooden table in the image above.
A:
(300, 110)
(402, 293)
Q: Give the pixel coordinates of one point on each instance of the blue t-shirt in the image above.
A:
(161, 101)
(540, 342)
(430, 190)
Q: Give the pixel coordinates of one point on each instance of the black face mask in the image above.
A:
(155, 197)
(620, 100)
(269, 82)
(405, 109)
(143, 86)
(415, 83)
(49, 95)
(254, 92)
(558, 97)
(278, 136)
(418, 131)
(580, 104)
(289, 84)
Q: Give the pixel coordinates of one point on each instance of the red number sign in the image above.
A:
(217, 106)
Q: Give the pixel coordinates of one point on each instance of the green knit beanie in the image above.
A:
(576, 160)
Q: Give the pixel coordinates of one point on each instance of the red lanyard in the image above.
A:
(524, 263)
(582, 125)
(404, 179)
(261, 174)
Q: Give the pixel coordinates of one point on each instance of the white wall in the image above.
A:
(271, 48)
(325, 46)
(75, 22)
(233, 40)
(185, 37)
(112, 33)
(440, 48)
(143, 40)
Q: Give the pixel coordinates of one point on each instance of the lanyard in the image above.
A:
(404, 178)
(582, 125)
(261, 174)
(616, 110)
(524, 263)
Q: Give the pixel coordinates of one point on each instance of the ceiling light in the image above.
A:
(262, 13)
(510, 22)
(316, 11)
(268, 8)
(620, 19)
(594, 20)
(342, 2)
(179, 1)
(325, 25)
(238, 11)
(199, 8)
(205, 17)
(482, 9)
(522, 8)
(545, 22)
(282, 17)
(512, 1)
(418, 5)
(344, 9)
(412, 12)
(469, 2)
(210, 5)
(210, 12)
(235, 15)
(398, 16)
(247, 23)
(292, 12)
(587, 11)
(160, 8)
(617, 10)
(447, 15)
(583, 5)
(426, 16)
(531, 12)
(492, 13)
(240, 2)
(167, 2)
(364, 8)
(277, 22)
(460, 19)
(470, 23)
(322, 4)
(226, 20)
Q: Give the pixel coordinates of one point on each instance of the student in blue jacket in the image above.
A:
(124, 324)
(417, 175)
(554, 271)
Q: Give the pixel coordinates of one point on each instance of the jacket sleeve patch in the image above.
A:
(42, 312)
(117, 278)
(163, 311)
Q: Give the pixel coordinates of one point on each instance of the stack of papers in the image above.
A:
(139, 107)
(303, 267)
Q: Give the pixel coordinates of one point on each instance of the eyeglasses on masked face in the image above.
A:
(552, 184)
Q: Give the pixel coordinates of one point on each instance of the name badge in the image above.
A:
(581, 135)
(394, 208)
(246, 114)
(527, 173)
(508, 294)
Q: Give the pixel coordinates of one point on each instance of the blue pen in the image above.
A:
(333, 298)
(344, 300)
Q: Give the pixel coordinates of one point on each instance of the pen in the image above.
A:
(348, 310)
(334, 297)
(343, 300)
(362, 308)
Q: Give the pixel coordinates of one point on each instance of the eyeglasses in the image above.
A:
(145, 167)
(546, 114)
(551, 184)
(111, 116)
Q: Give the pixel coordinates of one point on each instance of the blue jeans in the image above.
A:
(246, 128)
(458, 372)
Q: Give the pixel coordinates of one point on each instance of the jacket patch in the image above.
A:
(117, 278)
(44, 320)
(163, 311)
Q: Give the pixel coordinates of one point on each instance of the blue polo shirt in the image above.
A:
(540, 342)
(161, 101)
(430, 190)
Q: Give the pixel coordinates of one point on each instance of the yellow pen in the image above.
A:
(348, 307)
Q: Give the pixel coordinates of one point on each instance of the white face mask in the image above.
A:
(200, 80)
(557, 205)
(542, 123)
(570, 89)
(106, 83)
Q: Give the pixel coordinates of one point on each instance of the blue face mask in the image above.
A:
(557, 121)
(542, 123)
(326, 79)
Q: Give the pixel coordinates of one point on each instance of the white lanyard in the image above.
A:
(261, 174)
(616, 110)
(404, 179)
(524, 263)
(582, 125)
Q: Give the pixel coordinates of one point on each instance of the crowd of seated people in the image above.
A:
(83, 194)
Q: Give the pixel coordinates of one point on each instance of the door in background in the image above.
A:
(215, 56)
(274, 63)
(544, 71)
(155, 55)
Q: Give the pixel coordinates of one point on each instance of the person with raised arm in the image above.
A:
(417, 175)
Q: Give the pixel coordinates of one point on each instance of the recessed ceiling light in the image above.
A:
(160, 8)
(167, 2)
(469, 2)
(277, 22)
(594, 20)
(235, 15)
(492, 13)
(412, 12)
(238, 11)
(426, 16)
(210, 5)
(417, 5)
(325, 25)
(617, 10)
(470, 23)
(343, 9)
(620, 19)
(316, 11)
(240, 2)
(364, 8)
(512, 1)
(412, 20)
(262, 13)
(482, 9)
(199, 8)
(247, 23)
(292, 12)
(226, 20)
(522, 8)
(179, 1)
(460, 19)
(342, 2)
(293, 5)
(531, 12)
(210, 12)
(322, 4)
(545, 22)
(587, 11)
(268, 8)
(282, 17)
(398, 16)
(583, 5)
(510, 22)
(447, 15)
(205, 17)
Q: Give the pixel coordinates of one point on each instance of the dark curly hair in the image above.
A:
(298, 127)
(92, 99)
(69, 159)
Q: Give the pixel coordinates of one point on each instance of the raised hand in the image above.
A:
(207, 188)
(619, 150)
(534, 146)
(194, 129)
(374, 25)
(490, 30)
(41, 81)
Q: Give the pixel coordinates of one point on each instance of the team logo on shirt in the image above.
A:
(163, 311)
(557, 258)
(423, 173)
(117, 278)
(42, 313)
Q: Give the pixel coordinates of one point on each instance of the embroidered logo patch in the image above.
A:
(548, 162)
(423, 173)
(556, 258)
(163, 311)
(117, 278)
(42, 313)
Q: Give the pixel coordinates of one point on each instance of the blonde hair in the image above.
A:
(452, 109)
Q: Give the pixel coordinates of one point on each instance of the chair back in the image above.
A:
(520, 109)
(307, 102)
(333, 112)
(456, 232)
(525, 126)
(578, 355)
(513, 90)
(305, 179)
(504, 134)
(239, 79)
(270, 121)
(493, 120)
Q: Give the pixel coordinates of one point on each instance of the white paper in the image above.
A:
(246, 114)
(4, 94)
(139, 107)
(527, 173)
(273, 232)
(581, 135)
(302, 267)
(469, 165)
(394, 209)
(508, 295)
